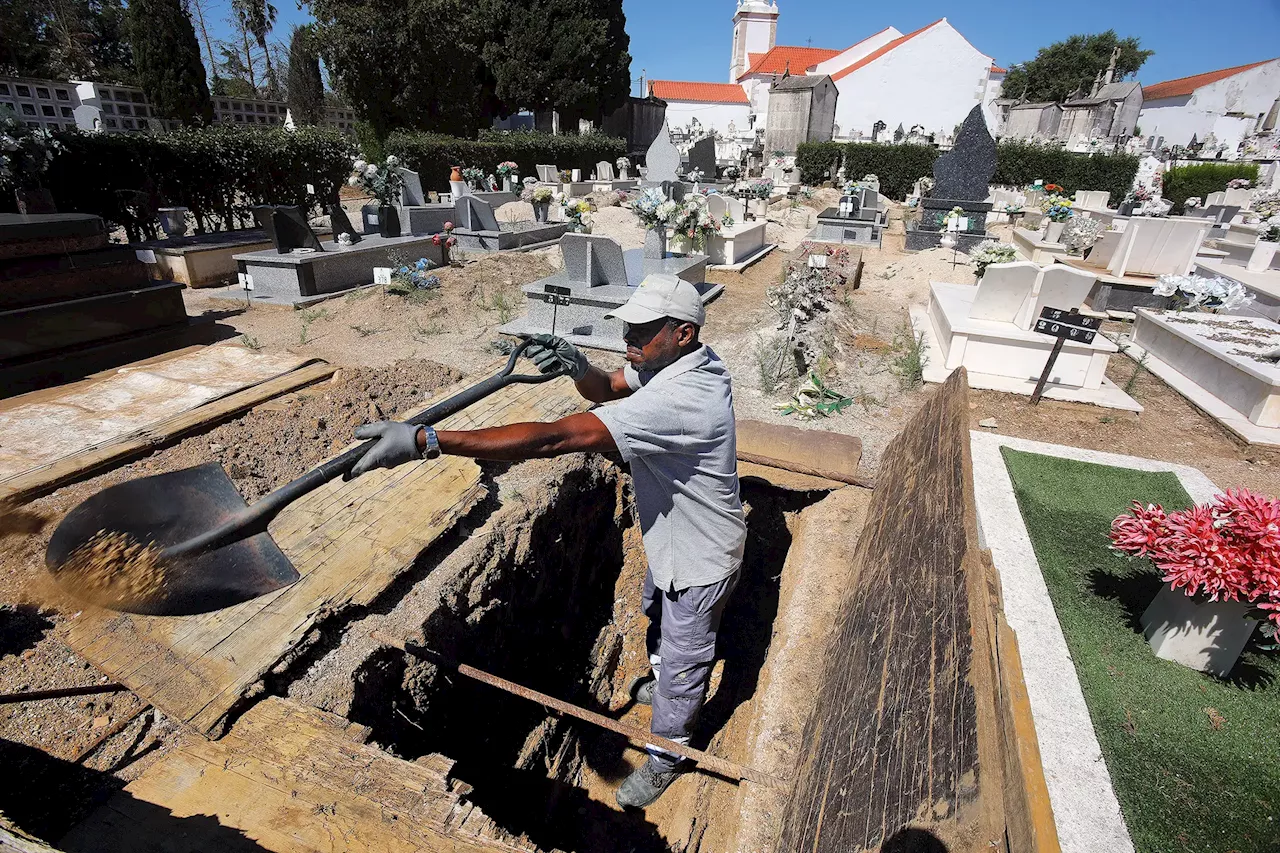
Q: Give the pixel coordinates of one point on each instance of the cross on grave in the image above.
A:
(1064, 326)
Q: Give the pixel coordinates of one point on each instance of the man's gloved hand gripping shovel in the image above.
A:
(186, 542)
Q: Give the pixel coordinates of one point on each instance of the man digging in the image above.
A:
(674, 424)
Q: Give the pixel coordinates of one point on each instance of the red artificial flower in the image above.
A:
(1228, 550)
(436, 239)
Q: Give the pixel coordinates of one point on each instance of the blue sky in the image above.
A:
(691, 39)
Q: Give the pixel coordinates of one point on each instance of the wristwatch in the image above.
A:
(431, 448)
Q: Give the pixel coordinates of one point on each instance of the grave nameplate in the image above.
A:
(1063, 326)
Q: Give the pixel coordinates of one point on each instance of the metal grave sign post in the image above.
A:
(1063, 326)
(556, 296)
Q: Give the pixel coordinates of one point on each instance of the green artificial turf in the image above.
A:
(1195, 760)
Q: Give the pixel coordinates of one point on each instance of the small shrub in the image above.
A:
(909, 356)
(250, 342)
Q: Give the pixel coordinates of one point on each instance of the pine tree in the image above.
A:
(306, 87)
(167, 58)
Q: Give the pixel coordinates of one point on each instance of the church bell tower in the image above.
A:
(755, 30)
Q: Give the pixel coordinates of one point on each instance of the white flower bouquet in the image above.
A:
(1216, 295)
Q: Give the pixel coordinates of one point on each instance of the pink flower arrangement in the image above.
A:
(446, 237)
(1228, 550)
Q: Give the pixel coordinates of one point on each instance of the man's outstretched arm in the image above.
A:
(399, 443)
(581, 433)
(554, 353)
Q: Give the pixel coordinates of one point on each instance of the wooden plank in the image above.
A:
(349, 541)
(898, 739)
(1028, 811)
(289, 778)
(77, 466)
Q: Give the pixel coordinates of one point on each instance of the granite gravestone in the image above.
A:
(595, 261)
(411, 194)
(340, 224)
(702, 156)
(475, 214)
(964, 173)
(662, 159)
(287, 228)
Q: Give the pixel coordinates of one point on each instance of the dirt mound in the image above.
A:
(280, 440)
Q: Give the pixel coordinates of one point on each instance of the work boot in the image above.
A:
(642, 687)
(645, 785)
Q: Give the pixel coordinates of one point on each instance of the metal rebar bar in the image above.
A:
(719, 766)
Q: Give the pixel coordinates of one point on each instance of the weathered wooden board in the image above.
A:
(38, 476)
(349, 541)
(899, 743)
(290, 779)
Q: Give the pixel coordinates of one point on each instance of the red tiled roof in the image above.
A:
(780, 58)
(1187, 85)
(710, 93)
(996, 69)
(876, 54)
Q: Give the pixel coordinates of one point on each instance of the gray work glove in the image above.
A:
(550, 353)
(397, 444)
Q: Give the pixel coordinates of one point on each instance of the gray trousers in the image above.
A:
(682, 650)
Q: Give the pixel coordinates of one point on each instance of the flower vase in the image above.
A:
(388, 221)
(173, 220)
(760, 208)
(540, 211)
(1264, 253)
(1125, 209)
(655, 243)
(1053, 232)
(1205, 635)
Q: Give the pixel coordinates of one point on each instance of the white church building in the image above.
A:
(1222, 107)
(931, 78)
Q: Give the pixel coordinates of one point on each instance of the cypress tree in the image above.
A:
(306, 87)
(167, 58)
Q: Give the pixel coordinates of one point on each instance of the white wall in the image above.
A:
(711, 116)
(934, 80)
(995, 88)
(858, 51)
(1178, 119)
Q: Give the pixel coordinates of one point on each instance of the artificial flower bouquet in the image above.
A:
(383, 182)
(1214, 295)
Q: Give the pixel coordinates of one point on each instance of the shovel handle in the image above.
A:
(254, 519)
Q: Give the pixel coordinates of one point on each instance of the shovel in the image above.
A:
(214, 549)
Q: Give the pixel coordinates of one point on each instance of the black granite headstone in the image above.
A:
(287, 228)
(341, 224)
(703, 156)
(964, 173)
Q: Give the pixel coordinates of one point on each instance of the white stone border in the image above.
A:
(1085, 808)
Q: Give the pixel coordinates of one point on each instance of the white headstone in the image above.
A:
(1003, 290)
(548, 174)
(604, 171)
(1060, 287)
(663, 158)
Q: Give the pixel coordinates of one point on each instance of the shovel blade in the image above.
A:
(165, 510)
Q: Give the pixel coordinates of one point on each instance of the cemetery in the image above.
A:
(989, 404)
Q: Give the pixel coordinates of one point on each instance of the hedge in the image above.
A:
(1019, 165)
(1184, 182)
(219, 172)
(432, 155)
(899, 166)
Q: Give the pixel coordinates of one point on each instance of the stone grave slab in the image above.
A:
(703, 156)
(39, 330)
(604, 171)
(60, 277)
(599, 277)
(26, 235)
(411, 193)
(1003, 291)
(299, 277)
(478, 230)
(850, 230)
(548, 174)
(287, 228)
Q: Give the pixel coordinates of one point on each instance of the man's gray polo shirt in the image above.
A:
(677, 431)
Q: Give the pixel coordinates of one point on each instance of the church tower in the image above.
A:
(755, 30)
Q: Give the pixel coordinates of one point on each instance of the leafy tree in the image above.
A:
(167, 58)
(401, 64)
(568, 55)
(306, 86)
(1063, 67)
(257, 17)
(65, 39)
(232, 87)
